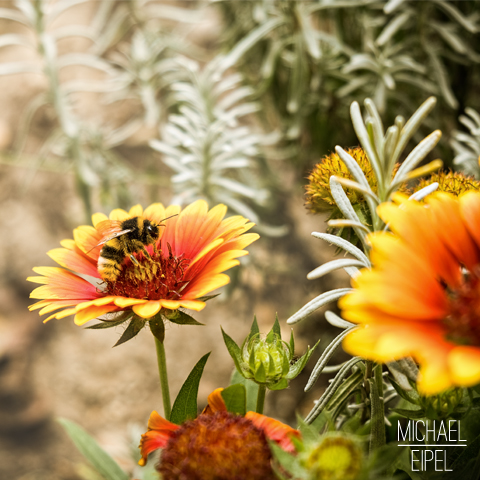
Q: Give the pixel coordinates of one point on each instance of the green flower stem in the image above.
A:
(261, 398)
(377, 422)
(162, 370)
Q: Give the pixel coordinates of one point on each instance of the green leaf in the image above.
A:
(384, 458)
(404, 463)
(157, 327)
(254, 330)
(469, 454)
(299, 365)
(118, 320)
(344, 391)
(292, 344)
(260, 374)
(411, 396)
(132, 330)
(233, 350)
(89, 448)
(102, 325)
(412, 414)
(276, 327)
(286, 460)
(251, 389)
(180, 318)
(323, 422)
(271, 365)
(280, 385)
(247, 42)
(206, 298)
(185, 406)
(270, 337)
(235, 398)
(310, 434)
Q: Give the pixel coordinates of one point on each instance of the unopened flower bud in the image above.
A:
(336, 457)
(267, 360)
(443, 405)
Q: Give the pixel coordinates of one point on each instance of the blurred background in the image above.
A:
(110, 103)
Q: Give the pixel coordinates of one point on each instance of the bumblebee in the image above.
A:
(124, 238)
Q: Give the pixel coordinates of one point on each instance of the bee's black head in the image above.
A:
(151, 232)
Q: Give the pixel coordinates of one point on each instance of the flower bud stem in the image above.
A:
(162, 370)
(261, 398)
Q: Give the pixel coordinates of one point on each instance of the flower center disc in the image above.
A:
(155, 278)
(222, 446)
(463, 322)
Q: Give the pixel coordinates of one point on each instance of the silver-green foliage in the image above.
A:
(315, 57)
(467, 146)
(87, 145)
(136, 69)
(212, 153)
(290, 52)
(383, 149)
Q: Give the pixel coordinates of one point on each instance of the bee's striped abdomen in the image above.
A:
(110, 261)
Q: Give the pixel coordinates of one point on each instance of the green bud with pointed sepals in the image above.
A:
(452, 403)
(267, 360)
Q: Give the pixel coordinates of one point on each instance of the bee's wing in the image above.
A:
(109, 229)
(114, 235)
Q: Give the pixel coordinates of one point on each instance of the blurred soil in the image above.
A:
(61, 370)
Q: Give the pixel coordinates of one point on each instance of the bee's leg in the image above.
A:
(144, 250)
(134, 260)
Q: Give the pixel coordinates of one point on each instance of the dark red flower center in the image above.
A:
(158, 277)
(222, 446)
(463, 322)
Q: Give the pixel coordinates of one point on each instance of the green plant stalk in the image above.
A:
(377, 419)
(162, 370)
(261, 398)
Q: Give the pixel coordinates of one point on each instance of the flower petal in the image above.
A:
(191, 304)
(157, 436)
(92, 312)
(208, 248)
(149, 309)
(119, 214)
(74, 261)
(215, 403)
(464, 363)
(155, 212)
(274, 430)
(62, 314)
(136, 211)
(205, 284)
(470, 210)
(453, 232)
(124, 302)
(86, 239)
(98, 302)
(170, 304)
(97, 218)
(62, 285)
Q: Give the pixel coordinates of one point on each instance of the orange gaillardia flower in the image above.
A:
(185, 263)
(217, 444)
(422, 298)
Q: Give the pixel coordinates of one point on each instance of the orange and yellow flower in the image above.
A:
(422, 297)
(217, 444)
(195, 247)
